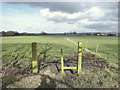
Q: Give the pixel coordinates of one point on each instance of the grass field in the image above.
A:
(107, 46)
(19, 48)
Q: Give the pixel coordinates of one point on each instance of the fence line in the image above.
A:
(35, 63)
(72, 41)
(89, 50)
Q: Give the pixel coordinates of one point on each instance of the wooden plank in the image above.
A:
(70, 67)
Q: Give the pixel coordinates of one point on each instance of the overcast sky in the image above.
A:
(60, 17)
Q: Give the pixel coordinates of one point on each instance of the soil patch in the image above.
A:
(50, 69)
(89, 62)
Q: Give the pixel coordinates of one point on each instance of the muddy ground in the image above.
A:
(50, 76)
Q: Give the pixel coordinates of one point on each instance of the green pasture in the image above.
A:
(19, 48)
(107, 45)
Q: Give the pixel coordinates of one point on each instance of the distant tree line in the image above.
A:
(92, 34)
(15, 33)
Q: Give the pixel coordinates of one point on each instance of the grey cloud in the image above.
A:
(105, 5)
(60, 20)
(101, 26)
(110, 15)
(70, 7)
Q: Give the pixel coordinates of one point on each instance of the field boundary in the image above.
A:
(86, 49)
(71, 41)
(95, 53)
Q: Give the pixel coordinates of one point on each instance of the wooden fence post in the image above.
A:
(62, 63)
(79, 56)
(96, 49)
(34, 58)
(86, 44)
